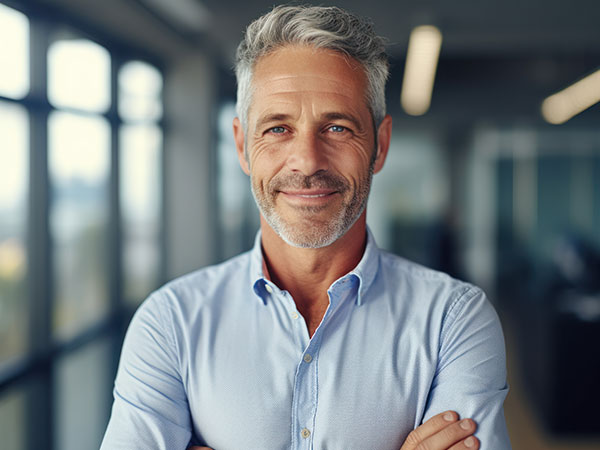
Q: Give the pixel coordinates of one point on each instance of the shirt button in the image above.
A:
(307, 359)
(295, 315)
(305, 433)
(268, 288)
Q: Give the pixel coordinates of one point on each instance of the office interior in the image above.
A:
(118, 172)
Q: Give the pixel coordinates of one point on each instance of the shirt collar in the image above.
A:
(364, 272)
(367, 268)
(257, 276)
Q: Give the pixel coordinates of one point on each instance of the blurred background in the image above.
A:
(118, 172)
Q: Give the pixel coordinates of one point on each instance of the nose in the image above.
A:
(306, 154)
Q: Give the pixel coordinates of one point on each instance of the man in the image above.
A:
(315, 339)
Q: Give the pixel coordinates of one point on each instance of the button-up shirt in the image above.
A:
(222, 358)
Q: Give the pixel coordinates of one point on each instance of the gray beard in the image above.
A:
(314, 234)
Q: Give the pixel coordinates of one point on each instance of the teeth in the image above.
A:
(312, 196)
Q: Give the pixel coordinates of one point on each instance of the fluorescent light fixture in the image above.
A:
(419, 73)
(569, 102)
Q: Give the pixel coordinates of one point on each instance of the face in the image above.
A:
(309, 147)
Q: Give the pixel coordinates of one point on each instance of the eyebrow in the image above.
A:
(278, 117)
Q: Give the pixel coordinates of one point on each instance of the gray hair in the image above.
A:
(329, 28)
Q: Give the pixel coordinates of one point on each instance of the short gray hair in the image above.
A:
(329, 28)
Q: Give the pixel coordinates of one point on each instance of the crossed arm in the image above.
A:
(446, 431)
(152, 401)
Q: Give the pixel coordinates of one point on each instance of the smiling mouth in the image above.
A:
(319, 197)
(312, 195)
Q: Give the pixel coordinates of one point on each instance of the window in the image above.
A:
(238, 214)
(14, 152)
(14, 58)
(140, 107)
(79, 164)
(81, 380)
(81, 234)
(140, 92)
(78, 74)
(12, 419)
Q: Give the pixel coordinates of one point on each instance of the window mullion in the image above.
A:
(40, 396)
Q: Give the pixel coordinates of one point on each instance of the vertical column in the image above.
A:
(40, 396)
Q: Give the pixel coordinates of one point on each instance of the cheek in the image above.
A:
(262, 172)
(354, 167)
(264, 156)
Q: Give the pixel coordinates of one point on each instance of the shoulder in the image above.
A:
(425, 284)
(211, 276)
(203, 287)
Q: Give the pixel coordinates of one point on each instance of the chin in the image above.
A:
(311, 235)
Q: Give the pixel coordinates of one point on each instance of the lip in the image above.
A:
(309, 193)
(309, 196)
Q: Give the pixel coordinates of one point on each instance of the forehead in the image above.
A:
(298, 73)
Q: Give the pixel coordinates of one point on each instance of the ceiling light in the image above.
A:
(419, 73)
(569, 102)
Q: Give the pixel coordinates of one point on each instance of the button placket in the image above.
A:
(305, 396)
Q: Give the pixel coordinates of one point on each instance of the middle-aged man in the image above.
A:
(315, 339)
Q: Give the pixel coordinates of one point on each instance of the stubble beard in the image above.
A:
(310, 231)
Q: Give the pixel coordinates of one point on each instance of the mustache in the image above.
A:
(320, 180)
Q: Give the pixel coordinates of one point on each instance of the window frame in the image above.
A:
(35, 370)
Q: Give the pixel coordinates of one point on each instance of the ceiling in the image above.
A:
(499, 58)
(468, 26)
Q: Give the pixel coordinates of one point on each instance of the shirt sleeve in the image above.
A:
(471, 374)
(150, 409)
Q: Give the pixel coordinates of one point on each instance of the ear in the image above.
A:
(238, 135)
(384, 135)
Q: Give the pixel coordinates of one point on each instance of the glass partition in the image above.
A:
(14, 58)
(79, 164)
(78, 74)
(14, 176)
(140, 196)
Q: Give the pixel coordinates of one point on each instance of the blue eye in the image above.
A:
(277, 130)
(337, 128)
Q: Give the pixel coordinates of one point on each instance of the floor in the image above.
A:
(526, 433)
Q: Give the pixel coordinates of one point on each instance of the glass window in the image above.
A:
(78, 74)
(553, 200)
(140, 88)
(14, 161)
(82, 407)
(408, 199)
(140, 196)
(79, 165)
(14, 57)
(238, 214)
(12, 420)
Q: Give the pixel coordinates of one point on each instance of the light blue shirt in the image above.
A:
(223, 358)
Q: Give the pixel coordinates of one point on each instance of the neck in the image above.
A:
(307, 273)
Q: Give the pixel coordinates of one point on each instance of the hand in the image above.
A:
(443, 432)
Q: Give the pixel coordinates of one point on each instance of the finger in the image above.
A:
(429, 428)
(470, 443)
(453, 434)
